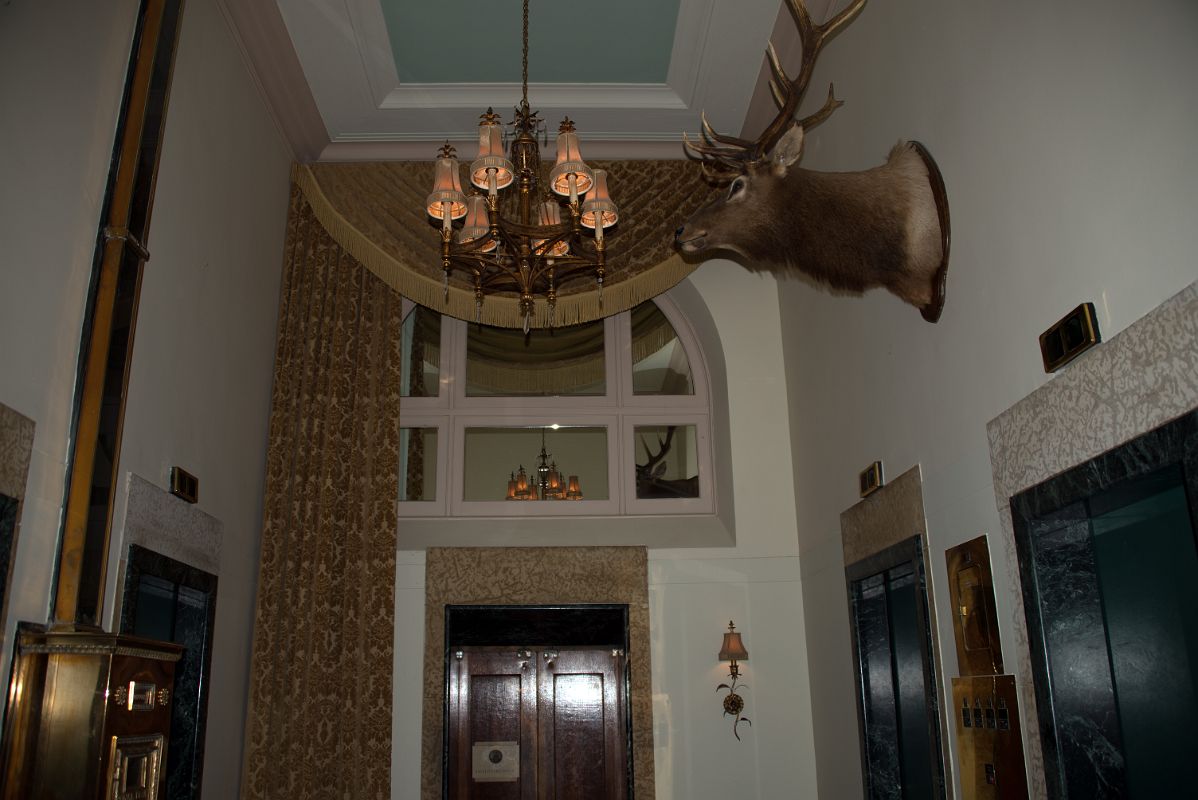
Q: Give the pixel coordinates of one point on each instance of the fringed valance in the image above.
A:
(375, 211)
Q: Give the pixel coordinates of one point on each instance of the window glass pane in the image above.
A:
(417, 463)
(667, 461)
(494, 457)
(659, 364)
(421, 365)
(561, 361)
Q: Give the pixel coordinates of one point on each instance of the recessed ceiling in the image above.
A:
(392, 79)
(568, 42)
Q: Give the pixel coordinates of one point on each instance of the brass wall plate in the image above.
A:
(1072, 335)
(184, 485)
(871, 479)
(989, 742)
(975, 622)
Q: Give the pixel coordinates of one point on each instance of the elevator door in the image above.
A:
(537, 723)
(1114, 633)
(896, 677)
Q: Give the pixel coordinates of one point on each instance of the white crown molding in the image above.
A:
(474, 96)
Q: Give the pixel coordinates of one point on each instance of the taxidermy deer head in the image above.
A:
(852, 231)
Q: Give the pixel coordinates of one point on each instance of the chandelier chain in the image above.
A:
(524, 65)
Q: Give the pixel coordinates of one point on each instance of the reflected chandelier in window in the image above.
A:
(547, 483)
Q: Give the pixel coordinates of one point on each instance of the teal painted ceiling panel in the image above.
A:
(474, 41)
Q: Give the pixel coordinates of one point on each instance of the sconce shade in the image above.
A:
(569, 162)
(447, 190)
(599, 206)
(733, 648)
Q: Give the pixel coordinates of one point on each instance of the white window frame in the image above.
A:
(619, 410)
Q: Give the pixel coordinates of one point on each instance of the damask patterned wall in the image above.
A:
(16, 448)
(1140, 379)
(536, 576)
(16, 445)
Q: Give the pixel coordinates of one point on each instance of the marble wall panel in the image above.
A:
(1088, 724)
(159, 521)
(536, 576)
(883, 780)
(1136, 381)
(890, 515)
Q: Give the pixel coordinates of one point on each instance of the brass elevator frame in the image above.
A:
(114, 244)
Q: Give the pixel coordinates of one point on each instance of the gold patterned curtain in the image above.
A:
(375, 210)
(319, 718)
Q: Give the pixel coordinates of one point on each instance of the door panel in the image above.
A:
(493, 700)
(563, 708)
(582, 756)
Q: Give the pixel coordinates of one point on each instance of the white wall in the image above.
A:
(1065, 135)
(199, 390)
(62, 71)
(694, 592)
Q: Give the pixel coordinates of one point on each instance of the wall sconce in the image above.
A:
(733, 650)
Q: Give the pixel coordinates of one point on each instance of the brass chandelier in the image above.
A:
(535, 253)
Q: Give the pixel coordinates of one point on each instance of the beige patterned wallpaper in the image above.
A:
(536, 576)
(16, 445)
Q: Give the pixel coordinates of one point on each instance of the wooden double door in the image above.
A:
(537, 723)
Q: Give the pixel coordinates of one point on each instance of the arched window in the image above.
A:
(539, 439)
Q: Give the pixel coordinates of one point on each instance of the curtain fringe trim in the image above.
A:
(502, 312)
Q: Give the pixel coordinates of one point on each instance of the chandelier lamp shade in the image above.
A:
(552, 234)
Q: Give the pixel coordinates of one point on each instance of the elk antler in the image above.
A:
(725, 157)
(654, 466)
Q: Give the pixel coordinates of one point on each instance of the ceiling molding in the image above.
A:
(258, 30)
(475, 96)
(341, 51)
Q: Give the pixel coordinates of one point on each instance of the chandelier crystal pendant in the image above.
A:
(558, 233)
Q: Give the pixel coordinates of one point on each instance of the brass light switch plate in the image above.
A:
(989, 742)
(975, 624)
(870, 479)
(184, 485)
(1069, 337)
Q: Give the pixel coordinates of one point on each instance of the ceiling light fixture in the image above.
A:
(535, 253)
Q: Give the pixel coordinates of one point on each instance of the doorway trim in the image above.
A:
(1141, 378)
(536, 576)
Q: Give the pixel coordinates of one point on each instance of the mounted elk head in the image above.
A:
(853, 231)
